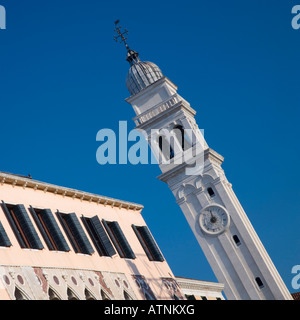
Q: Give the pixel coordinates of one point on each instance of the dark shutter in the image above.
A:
(78, 233)
(27, 227)
(103, 238)
(151, 244)
(13, 226)
(119, 240)
(148, 243)
(4, 240)
(52, 228)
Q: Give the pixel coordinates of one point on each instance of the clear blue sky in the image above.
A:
(236, 62)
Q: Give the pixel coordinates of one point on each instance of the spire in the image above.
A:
(132, 56)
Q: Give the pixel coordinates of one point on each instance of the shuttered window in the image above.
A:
(99, 236)
(4, 240)
(148, 243)
(118, 239)
(75, 233)
(49, 229)
(22, 226)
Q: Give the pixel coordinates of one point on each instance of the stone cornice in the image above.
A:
(26, 182)
(209, 153)
(181, 105)
(150, 88)
(193, 284)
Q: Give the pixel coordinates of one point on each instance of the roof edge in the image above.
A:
(26, 182)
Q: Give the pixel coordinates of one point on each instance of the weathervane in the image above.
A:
(121, 35)
(132, 56)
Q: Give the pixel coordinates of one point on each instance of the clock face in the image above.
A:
(214, 219)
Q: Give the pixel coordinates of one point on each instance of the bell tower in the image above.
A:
(193, 172)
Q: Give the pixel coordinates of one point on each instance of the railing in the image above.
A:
(149, 114)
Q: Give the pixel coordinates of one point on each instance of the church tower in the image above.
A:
(193, 172)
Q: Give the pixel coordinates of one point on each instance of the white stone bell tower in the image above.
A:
(221, 226)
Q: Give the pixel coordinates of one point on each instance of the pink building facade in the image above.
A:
(61, 243)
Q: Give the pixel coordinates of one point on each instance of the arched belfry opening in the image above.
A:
(182, 138)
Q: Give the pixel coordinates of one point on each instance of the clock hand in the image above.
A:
(213, 219)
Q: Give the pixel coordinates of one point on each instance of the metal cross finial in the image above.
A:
(121, 34)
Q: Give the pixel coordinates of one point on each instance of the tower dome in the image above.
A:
(141, 75)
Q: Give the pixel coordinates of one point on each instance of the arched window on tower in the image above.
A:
(182, 137)
(210, 192)
(165, 148)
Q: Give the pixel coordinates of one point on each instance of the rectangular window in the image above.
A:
(49, 229)
(148, 243)
(99, 236)
(22, 226)
(210, 192)
(259, 282)
(75, 233)
(236, 240)
(118, 239)
(4, 240)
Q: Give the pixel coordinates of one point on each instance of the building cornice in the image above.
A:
(150, 88)
(170, 109)
(193, 284)
(209, 153)
(21, 181)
